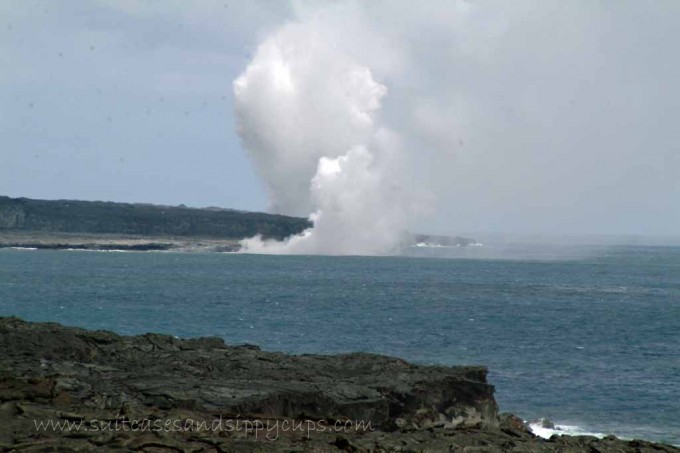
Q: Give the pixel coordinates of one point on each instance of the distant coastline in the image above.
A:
(97, 225)
(110, 242)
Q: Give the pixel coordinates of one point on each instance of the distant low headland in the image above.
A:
(99, 225)
(58, 224)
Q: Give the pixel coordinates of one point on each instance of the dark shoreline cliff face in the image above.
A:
(98, 225)
(106, 387)
(97, 217)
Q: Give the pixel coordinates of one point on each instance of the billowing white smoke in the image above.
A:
(525, 116)
(309, 116)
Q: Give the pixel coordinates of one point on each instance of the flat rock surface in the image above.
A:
(84, 241)
(68, 389)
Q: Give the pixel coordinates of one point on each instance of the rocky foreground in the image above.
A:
(68, 389)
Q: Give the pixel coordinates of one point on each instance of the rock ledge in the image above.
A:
(69, 389)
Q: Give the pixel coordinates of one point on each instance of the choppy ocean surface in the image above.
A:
(586, 337)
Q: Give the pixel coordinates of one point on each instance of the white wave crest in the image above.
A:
(547, 430)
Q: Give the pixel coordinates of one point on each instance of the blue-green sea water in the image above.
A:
(591, 342)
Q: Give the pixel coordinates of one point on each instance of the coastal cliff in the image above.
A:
(69, 389)
(98, 225)
(96, 217)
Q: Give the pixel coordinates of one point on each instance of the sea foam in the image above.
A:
(540, 429)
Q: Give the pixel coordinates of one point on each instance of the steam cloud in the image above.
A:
(309, 114)
(521, 117)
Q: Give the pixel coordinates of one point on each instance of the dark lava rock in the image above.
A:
(76, 216)
(68, 389)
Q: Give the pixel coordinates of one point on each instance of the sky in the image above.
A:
(528, 117)
(127, 101)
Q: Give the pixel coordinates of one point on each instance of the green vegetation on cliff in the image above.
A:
(69, 216)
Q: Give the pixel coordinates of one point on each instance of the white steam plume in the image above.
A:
(309, 116)
(523, 117)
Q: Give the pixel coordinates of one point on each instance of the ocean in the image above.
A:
(587, 337)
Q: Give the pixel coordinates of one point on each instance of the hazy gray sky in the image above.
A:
(127, 100)
(524, 116)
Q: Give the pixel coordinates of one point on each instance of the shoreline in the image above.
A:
(106, 242)
(113, 242)
(59, 374)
